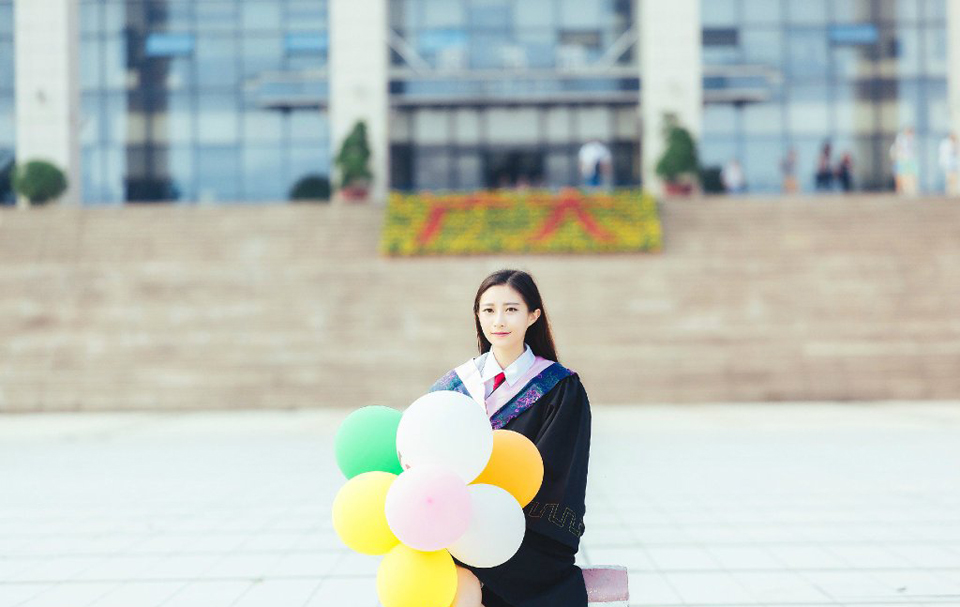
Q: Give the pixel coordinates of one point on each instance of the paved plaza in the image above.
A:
(726, 505)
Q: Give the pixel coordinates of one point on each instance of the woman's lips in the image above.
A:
(501, 334)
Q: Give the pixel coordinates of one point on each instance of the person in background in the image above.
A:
(845, 172)
(788, 168)
(950, 164)
(596, 164)
(824, 175)
(732, 177)
(903, 153)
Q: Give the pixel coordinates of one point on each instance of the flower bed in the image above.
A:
(532, 221)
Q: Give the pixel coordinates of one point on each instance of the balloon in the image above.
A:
(446, 428)
(496, 528)
(468, 589)
(428, 507)
(367, 441)
(358, 513)
(515, 465)
(410, 578)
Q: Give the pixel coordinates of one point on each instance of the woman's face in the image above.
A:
(504, 317)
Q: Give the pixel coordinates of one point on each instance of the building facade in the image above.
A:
(231, 100)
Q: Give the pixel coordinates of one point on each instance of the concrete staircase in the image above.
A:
(173, 307)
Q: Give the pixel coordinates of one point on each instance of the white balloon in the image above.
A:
(447, 429)
(469, 593)
(496, 528)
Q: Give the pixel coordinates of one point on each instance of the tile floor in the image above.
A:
(713, 505)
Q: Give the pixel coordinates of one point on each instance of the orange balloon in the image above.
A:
(515, 465)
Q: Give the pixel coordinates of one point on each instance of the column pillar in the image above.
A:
(359, 82)
(671, 75)
(47, 84)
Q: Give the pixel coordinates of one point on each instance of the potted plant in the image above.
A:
(353, 162)
(678, 166)
(39, 181)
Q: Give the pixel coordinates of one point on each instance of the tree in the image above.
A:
(679, 157)
(354, 158)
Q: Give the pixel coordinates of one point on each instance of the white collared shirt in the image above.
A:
(511, 374)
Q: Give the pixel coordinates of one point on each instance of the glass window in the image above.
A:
(717, 13)
(935, 11)
(853, 62)
(467, 127)
(489, 14)
(163, 15)
(431, 127)
(808, 54)
(306, 15)
(905, 46)
(852, 11)
(308, 125)
(764, 46)
(899, 11)
(807, 12)
(717, 151)
(935, 51)
(217, 61)
(558, 126)
(512, 125)
(594, 122)
(305, 43)
(432, 169)
(218, 169)
(561, 169)
(217, 119)
(306, 160)
(163, 44)
(938, 112)
(534, 14)
(761, 11)
(215, 16)
(91, 63)
(258, 15)
(91, 16)
(469, 171)
(855, 109)
(262, 53)
(442, 13)
(576, 14)
(761, 163)
(808, 110)
(115, 63)
(719, 119)
(763, 118)
(181, 167)
(262, 126)
(263, 173)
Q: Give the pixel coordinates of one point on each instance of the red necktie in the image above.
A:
(499, 379)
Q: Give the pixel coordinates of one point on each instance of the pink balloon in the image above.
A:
(428, 507)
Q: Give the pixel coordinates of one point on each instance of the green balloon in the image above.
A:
(367, 441)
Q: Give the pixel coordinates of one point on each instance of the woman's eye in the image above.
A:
(511, 309)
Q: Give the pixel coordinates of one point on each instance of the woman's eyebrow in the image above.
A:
(509, 303)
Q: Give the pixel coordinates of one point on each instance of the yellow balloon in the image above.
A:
(515, 465)
(410, 578)
(358, 513)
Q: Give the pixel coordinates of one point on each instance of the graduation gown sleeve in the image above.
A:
(542, 573)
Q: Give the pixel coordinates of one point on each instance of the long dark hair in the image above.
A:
(538, 335)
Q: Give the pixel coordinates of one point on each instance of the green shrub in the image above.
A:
(39, 181)
(354, 158)
(311, 187)
(680, 155)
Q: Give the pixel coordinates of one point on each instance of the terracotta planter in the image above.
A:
(678, 189)
(354, 193)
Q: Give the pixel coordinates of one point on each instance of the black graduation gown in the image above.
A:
(542, 572)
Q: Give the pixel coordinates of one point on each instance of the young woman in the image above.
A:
(517, 380)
